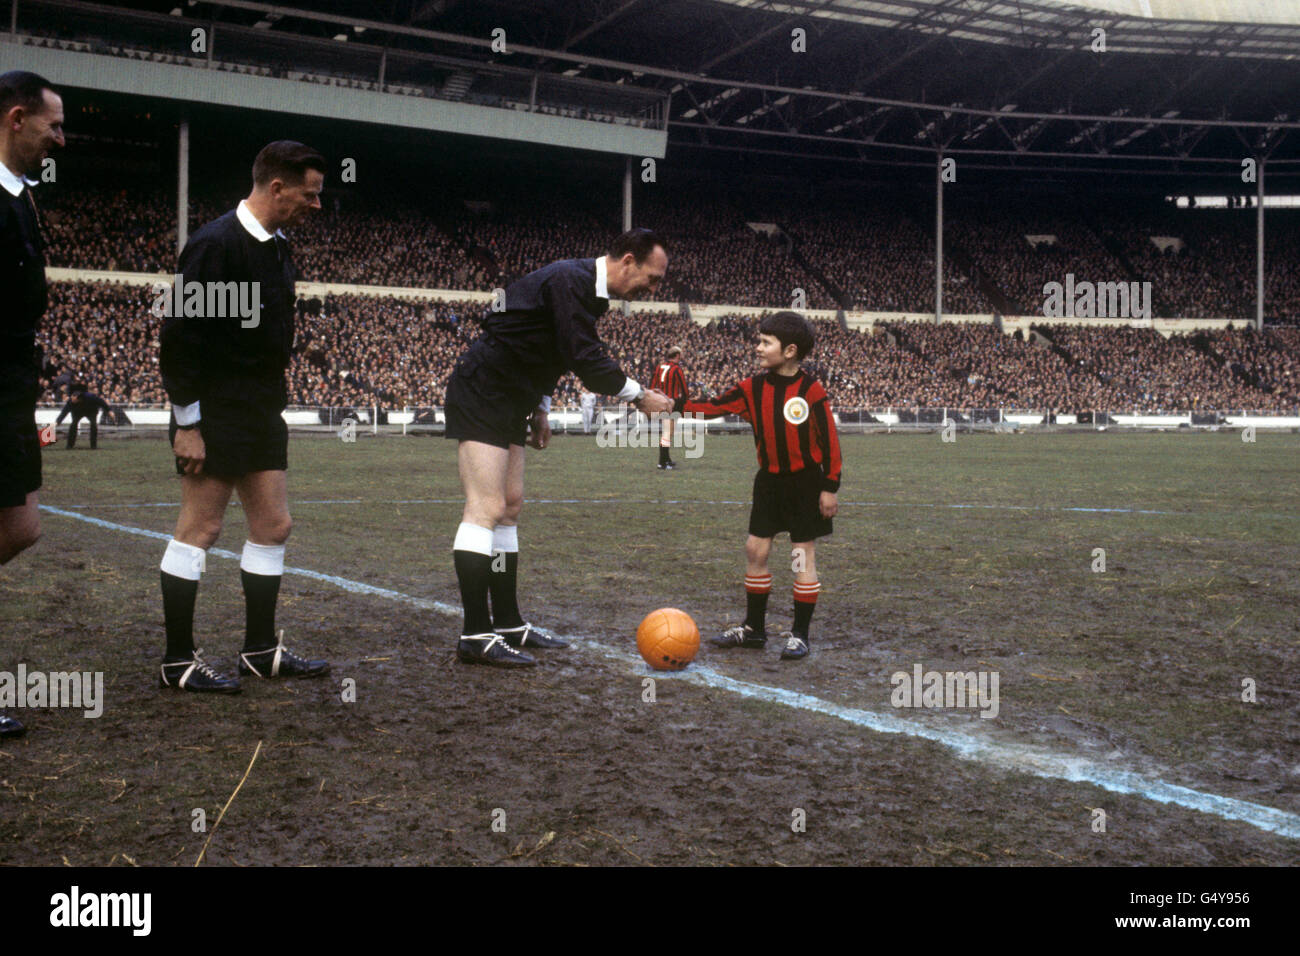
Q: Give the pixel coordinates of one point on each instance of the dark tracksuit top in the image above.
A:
(89, 405)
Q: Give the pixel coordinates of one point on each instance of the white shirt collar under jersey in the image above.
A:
(249, 222)
(602, 278)
(12, 182)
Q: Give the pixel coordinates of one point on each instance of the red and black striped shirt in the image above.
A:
(670, 380)
(793, 425)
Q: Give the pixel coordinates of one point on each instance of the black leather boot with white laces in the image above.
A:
(491, 649)
(195, 674)
(525, 635)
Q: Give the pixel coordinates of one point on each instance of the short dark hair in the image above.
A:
(287, 161)
(790, 328)
(639, 242)
(20, 88)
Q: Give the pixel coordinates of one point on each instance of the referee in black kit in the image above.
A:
(500, 390)
(225, 376)
(32, 117)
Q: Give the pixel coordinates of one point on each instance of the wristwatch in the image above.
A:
(187, 428)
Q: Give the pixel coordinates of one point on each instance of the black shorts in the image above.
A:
(790, 503)
(20, 456)
(238, 439)
(487, 401)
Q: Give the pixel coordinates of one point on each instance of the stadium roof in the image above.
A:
(1236, 28)
(996, 83)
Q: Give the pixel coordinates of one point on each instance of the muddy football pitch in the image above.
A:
(1134, 596)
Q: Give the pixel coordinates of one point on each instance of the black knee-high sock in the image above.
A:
(474, 573)
(663, 454)
(757, 589)
(260, 594)
(805, 602)
(178, 614)
(502, 584)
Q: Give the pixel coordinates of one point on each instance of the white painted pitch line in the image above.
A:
(1021, 758)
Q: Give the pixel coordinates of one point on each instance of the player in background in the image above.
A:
(796, 487)
(670, 380)
(500, 391)
(83, 404)
(587, 401)
(225, 377)
(31, 124)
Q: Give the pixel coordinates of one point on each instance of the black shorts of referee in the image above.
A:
(239, 437)
(20, 455)
(488, 401)
(790, 503)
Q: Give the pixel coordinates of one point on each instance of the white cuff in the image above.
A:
(473, 537)
(505, 537)
(545, 404)
(182, 560)
(186, 414)
(629, 391)
(264, 559)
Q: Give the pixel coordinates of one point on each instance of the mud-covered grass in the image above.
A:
(956, 556)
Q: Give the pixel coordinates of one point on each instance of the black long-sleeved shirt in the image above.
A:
(217, 359)
(549, 327)
(88, 405)
(22, 284)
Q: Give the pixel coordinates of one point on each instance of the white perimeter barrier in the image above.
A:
(570, 419)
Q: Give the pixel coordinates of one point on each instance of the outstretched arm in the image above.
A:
(731, 402)
(578, 343)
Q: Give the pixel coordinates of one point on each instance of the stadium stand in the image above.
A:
(396, 352)
(875, 257)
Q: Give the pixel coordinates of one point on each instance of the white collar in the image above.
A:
(12, 182)
(602, 278)
(249, 222)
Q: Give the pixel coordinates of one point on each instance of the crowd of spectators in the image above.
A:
(978, 366)
(718, 258)
(119, 229)
(104, 335)
(393, 352)
(1271, 359)
(876, 254)
(391, 247)
(1211, 271)
(1151, 373)
(995, 236)
(1211, 274)
(399, 352)
(519, 235)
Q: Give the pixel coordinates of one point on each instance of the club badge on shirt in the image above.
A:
(795, 411)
